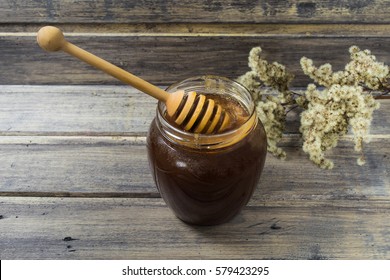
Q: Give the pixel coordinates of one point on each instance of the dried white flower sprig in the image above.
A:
(345, 100)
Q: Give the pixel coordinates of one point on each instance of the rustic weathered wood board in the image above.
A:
(116, 168)
(116, 228)
(73, 110)
(165, 59)
(100, 111)
(74, 175)
(24, 11)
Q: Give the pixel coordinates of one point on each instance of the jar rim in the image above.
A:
(208, 141)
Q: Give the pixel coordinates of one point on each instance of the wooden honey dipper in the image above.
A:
(191, 112)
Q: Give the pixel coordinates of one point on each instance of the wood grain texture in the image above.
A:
(113, 228)
(101, 110)
(75, 110)
(243, 29)
(263, 11)
(119, 168)
(168, 58)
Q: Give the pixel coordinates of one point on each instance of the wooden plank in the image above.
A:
(167, 59)
(209, 29)
(23, 11)
(101, 111)
(97, 167)
(297, 178)
(75, 110)
(82, 228)
(160, 59)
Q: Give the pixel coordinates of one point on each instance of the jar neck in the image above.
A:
(205, 141)
(219, 85)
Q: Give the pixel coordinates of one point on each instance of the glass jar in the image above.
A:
(207, 179)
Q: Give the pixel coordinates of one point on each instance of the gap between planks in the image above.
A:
(207, 30)
(48, 139)
(80, 194)
(148, 199)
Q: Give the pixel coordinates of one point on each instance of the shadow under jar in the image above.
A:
(206, 179)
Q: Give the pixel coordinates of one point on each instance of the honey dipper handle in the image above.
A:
(51, 38)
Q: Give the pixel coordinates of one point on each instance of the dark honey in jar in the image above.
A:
(206, 179)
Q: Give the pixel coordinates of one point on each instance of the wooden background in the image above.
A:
(72, 140)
